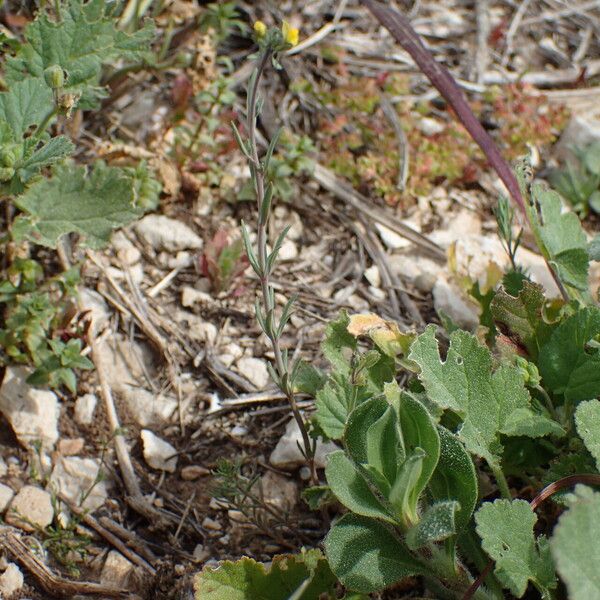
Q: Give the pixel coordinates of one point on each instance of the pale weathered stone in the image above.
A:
(11, 581)
(254, 370)
(373, 276)
(191, 296)
(287, 454)
(211, 524)
(164, 233)
(70, 446)
(148, 408)
(99, 311)
(158, 453)
(6, 495)
(581, 131)
(288, 251)
(116, 570)
(32, 413)
(30, 508)
(193, 472)
(450, 301)
(74, 477)
(84, 409)
(279, 491)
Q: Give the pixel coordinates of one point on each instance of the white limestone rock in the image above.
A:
(73, 477)
(32, 413)
(163, 233)
(287, 455)
(254, 370)
(158, 453)
(11, 581)
(30, 508)
(85, 407)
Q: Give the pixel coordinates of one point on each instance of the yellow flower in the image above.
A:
(260, 29)
(290, 34)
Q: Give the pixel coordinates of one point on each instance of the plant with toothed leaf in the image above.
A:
(510, 412)
(55, 70)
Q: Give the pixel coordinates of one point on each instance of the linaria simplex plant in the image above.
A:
(271, 42)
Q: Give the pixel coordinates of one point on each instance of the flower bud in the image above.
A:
(529, 371)
(260, 29)
(55, 77)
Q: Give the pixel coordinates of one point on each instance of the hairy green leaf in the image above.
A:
(437, 524)
(506, 531)
(334, 402)
(419, 433)
(80, 43)
(47, 154)
(560, 236)
(373, 438)
(338, 344)
(587, 419)
(25, 104)
(575, 545)
(73, 200)
(594, 249)
(366, 555)
(568, 363)
(23, 150)
(351, 488)
(484, 399)
(307, 575)
(454, 478)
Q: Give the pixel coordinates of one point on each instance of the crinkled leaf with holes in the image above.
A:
(22, 155)
(80, 43)
(575, 545)
(75, 201)
(521, 317)
(506, 531)
(307, 575)
(569, 364)
(488, 402)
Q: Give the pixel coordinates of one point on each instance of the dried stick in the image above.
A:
(52, 584)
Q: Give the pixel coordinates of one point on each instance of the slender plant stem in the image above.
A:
(547, 402)
(258, 173)
(501, 481)
(44, 124)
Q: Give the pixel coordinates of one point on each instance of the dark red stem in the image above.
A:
(399, 26)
